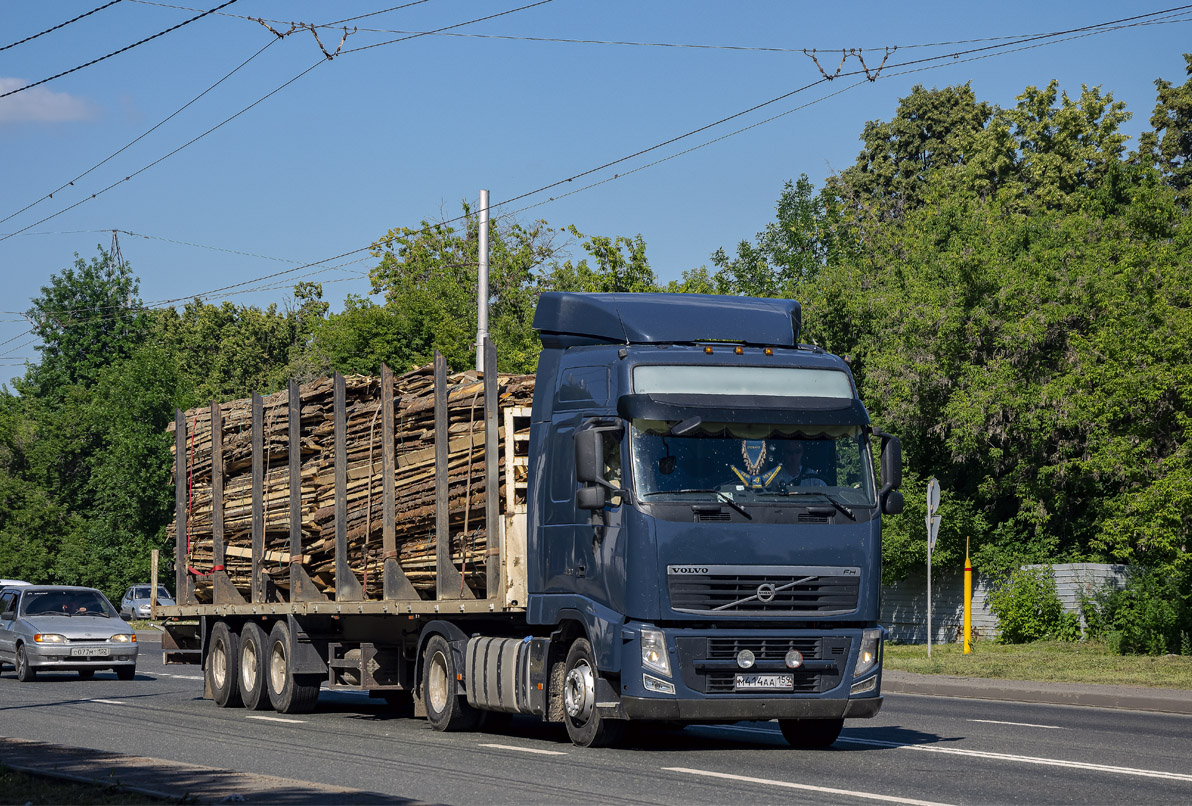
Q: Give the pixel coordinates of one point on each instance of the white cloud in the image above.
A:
(41, 105)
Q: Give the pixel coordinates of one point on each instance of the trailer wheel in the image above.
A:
(289, 693)
(446, 708)
(252, 667)
(223, 666)
(585, 725)
(811, 733)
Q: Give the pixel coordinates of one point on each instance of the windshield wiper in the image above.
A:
(723, 496)
(833, 500)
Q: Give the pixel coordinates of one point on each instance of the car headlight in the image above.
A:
(124, 638)
(654, 655)
(870, 651)
(49, 638)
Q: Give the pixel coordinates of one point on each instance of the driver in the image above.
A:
(787, 471)
(795, 472)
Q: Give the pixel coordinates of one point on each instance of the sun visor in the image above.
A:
(745, 409)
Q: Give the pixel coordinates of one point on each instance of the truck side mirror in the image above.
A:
(589, 456)
(891, 499)
(590, 498)
(892, 503)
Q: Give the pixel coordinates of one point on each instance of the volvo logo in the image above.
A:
(687, 569)
(765, 593)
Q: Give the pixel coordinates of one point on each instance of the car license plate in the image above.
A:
(89, 651)
(764, 682)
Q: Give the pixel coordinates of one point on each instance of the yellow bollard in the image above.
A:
(968, 600)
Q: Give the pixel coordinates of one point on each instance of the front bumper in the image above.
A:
(741, 709)
(49, 657)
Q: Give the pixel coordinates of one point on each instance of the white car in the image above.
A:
(135, 602)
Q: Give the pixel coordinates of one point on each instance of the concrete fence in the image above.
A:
(904, 604)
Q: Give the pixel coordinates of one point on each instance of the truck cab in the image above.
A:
(703, 503)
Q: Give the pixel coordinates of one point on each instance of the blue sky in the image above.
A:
(393, 134)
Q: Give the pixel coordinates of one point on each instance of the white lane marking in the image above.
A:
(276, 719)
(525, 749)
(180, 676)
(109, 702)
(1016, 724)
(870, 796)
(1049, 762)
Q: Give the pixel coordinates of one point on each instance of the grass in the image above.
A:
(1044, 661)
(20, 787)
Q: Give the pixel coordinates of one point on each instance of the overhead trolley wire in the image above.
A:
(59, 25)
(116, 52)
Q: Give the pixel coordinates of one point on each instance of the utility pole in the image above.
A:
(482, 284)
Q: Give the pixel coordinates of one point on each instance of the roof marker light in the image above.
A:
(739, 351)
(769, 351)
(708, 350)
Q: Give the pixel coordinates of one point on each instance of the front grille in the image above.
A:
(709, 664)
(764, 593)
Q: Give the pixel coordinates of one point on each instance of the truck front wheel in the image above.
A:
(446, 708)
(811, 733)
(585, 725)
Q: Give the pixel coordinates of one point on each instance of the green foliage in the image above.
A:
(1028, 608)
(1150, 615)
(1169, 146)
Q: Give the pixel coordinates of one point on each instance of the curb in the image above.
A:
(1170, 701)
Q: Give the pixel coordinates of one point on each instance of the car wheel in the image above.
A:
(126, 672)
(222, 666)
(86, 674)
(446, 708)
(585, 725)
(252, 668)
(811, 733)
(25, 672)
(289, 693)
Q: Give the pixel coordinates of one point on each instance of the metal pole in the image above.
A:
(482, 287)
(968, 600)
(929, 600)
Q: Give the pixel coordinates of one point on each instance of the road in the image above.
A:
(918, 750)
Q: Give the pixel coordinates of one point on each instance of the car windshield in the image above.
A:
(142, 592)
(65, 602)
(751, 462)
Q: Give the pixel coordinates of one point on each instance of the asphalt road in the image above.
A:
(919, 749)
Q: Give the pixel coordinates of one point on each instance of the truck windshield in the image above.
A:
(752, 462)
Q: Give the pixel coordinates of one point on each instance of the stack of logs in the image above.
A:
(414, 441)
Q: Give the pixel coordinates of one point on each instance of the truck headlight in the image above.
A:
(654, 655)
(49, 638)
(870, 651)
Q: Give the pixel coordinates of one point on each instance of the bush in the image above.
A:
(1028, 608)
(1149, 616)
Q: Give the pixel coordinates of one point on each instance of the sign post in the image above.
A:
(933, 528)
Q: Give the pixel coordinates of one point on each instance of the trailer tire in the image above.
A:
(289, 693)
(446, 708)
(223, 666)
(810, 734)
(585, 725)
(252, 668)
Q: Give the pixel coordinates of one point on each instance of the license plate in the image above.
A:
(764, 682)
(89, 651)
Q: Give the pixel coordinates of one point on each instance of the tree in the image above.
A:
(1169, 146)
(621, 265)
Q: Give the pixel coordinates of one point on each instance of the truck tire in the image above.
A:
(288, 693)
(223, 666)
(811, 733)
(25, 672)
(585, 725)
(252, 668)
(446, 707)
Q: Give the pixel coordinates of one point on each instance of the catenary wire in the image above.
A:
(59, 25)
(115, 52)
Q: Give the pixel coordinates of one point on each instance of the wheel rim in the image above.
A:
(249, 662)
(436, 682)
(579, 691)
(219, 664)
(278, 666)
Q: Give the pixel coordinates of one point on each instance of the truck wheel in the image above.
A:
(289, 693)
(811, 733)
(223, 669)
(25, 672)
(446, 708)
(252, 668)
(585, 725)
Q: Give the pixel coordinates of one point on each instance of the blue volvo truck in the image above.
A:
(699, 542)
